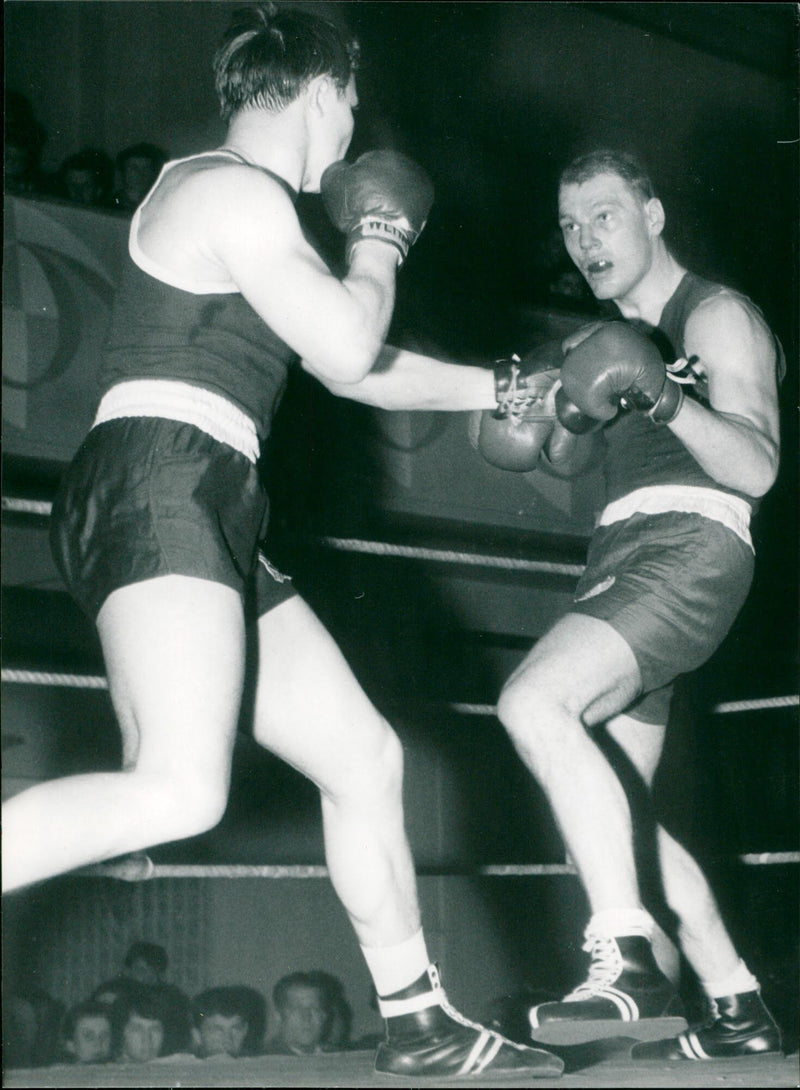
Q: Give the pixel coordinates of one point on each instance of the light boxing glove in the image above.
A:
(511, 436)
(382, 195)
(618, 367)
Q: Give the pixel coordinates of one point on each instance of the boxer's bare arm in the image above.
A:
(241, 222)
(338, 325)
(409, 380)
(736, 439)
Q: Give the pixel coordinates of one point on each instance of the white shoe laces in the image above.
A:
(457, 1016)
(605, 967)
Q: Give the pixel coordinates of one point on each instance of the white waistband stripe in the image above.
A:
(187, 404)
(731, 511)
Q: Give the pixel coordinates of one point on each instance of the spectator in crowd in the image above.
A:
(111, 991)
(88, 178)
(87, 1033)
(143, 969)
(138, 166)
(24, 141)
(146, 962)
(340, 1014)
(230, 1020)
(140, 1022)
(31, 1021)
(303, 1015)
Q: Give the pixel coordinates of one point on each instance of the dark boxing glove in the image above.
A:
(383, 195)
(571, 417)
(511, 436)
(618, 367)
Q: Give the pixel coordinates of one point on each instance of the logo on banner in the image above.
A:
(57, 297)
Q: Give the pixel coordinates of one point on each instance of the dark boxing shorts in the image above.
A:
(671, 585)
(146, 497)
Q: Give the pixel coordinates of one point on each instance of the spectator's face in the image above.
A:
(138, 175)
(82, 186)
(142, 1039)
(222, 1034)
(143, 972)
(91, 1043)
(303, 1018)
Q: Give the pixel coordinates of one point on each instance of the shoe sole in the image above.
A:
(490, 1077)
(726, 1059)
(549, 1067)
(598, 1029)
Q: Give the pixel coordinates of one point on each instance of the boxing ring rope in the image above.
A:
(140, 867)
(20, 506)
(760, 704)
(87, 681)
(447, 556)
(43, 508)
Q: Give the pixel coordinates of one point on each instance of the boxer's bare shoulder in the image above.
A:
(199, 198)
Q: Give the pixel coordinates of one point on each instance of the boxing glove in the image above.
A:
(511, 436)
(618, 367)
(571, 417)
(383, 195)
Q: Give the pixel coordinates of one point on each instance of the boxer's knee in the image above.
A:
(180, 804)
(531, 713)
(384, 772)
(372, 775)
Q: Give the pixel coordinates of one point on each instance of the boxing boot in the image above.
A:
(738, 1025)
(626, 995)
(425, 1036)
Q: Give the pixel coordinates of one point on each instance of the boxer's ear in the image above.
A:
(654, 214)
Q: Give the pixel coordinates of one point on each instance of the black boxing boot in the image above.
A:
(426, 1037)
(626, 995)
(738, 1025)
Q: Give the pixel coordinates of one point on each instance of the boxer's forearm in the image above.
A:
(731, 449)
(409, 380)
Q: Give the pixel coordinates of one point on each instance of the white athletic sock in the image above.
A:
(740, 980)
(395, 967)
(614, 923)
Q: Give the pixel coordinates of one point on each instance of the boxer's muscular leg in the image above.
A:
(311, 711)
(579, 673)
(174, 649)
(702, 934)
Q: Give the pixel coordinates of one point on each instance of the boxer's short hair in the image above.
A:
(269, 54)
(609, 161)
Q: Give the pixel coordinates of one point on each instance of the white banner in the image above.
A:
(60, 269)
